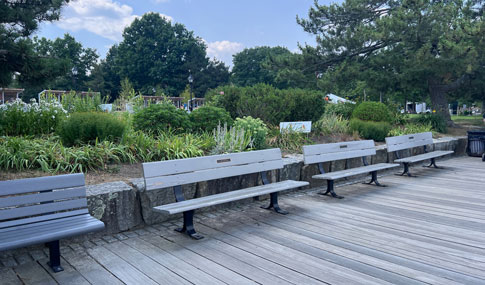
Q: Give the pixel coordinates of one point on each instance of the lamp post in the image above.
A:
(191, 80)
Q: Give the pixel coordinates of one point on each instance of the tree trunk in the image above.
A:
(439, 101)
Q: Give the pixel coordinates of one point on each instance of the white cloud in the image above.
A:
(105, 18)
(223, 50)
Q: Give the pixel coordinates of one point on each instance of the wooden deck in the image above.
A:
(424, 230)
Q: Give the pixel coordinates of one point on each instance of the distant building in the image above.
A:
(334, 99)
(10, 94)
(147, 100)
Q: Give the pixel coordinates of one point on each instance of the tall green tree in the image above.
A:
(75, 60)
(156, 53)
(18, 20)
(250, 65)
(433, 43)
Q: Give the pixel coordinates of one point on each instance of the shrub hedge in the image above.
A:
(370, 130)
(372, 111)
(161, 117)
(207, 118)
(90, 127)
(269, 104)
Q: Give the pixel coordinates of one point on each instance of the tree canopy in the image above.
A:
(408, 45)
(250, 65)
(156, 54)
(18, 20)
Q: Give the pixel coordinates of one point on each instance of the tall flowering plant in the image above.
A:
(18, 118)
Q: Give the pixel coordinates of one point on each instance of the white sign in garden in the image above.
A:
(302, 127)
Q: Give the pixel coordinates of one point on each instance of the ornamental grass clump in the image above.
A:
(231, 140)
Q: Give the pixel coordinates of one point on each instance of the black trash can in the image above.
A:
(476, 143)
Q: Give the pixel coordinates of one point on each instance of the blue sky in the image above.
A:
(227, 26)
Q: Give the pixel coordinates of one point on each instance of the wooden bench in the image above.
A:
(399, 143)
(44, 210)
(339, 151)
(175, 173)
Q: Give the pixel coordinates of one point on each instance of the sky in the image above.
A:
(227, 26)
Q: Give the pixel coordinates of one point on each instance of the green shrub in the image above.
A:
(160, 118)
(331, 123)
(231, 140)
(21, 119)
(410, 129)
(303, 105)
(372, 111)
(256, 129)
(207, 118)
(90, 127)
(437, 122)
(342, 109)
(269, 104)
(370, 130)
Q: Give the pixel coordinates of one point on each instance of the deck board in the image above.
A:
(428, 229)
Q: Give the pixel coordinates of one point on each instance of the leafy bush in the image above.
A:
(161, 117)
(410, 129)
(288, 140)
(303, 105)
(341, 109)
(370, 130)
(18, 118)
(437, 122)
(268, 103)
(207, 118)
(90, 127)
(331, 123)
(372, 111)
(256, 129)
(230, 140)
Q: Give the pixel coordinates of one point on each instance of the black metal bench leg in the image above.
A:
(432, 163)
(374, 180)
(274, 204)
(406, 171)
(54, 256)
(188, 227)
(331, 191)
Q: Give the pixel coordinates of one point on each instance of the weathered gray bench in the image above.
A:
(399, 143)
(339, 151)
(44, 210)
(175, 173)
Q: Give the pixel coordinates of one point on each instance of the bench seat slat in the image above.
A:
(46, 226)
(424, 156)
(13, 213)
(355, 171)
(36, 233)
(210, 174)
(42, 197)
(221, 198)
(20, 186)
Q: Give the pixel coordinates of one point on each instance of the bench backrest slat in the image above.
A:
(27, 185)
(185, 171)
(22, 199)
(42, 209)
(25, 221)
(42, 197)
(408, 141)
(337, 151)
